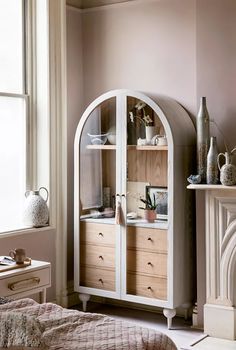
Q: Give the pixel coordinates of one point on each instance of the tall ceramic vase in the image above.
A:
(202, 139)
(212, 166)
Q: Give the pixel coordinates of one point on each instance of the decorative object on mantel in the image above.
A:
(194, 179)
(228, 170)
(36, 212)
(212, 166)
(202, 139)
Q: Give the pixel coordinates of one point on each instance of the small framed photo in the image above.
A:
(161, 196)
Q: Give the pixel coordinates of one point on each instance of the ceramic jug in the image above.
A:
(228, 170)
(36, 212)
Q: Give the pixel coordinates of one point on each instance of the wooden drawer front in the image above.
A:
(97, 256)
(147, 238)
(147, 263)
(97, 278)
(97, 233)
(145, 286)
(25, 282)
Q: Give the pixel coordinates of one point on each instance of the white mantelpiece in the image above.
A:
(220, 310)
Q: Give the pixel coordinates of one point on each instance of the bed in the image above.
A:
(25, 324)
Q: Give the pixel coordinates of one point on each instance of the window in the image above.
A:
(24, 117)
(13, 114)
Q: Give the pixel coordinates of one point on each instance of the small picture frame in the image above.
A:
(161, 196)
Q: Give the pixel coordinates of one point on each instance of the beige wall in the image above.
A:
(181, 48)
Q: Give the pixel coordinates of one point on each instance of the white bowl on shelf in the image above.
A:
(99, 139)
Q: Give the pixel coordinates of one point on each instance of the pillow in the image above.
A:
(18, 329)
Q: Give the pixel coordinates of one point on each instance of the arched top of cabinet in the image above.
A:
(177, 123)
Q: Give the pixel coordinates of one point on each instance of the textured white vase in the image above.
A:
(36, 212)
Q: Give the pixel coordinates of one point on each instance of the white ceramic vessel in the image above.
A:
(36, 212)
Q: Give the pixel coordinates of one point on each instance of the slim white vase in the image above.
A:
(150, 132)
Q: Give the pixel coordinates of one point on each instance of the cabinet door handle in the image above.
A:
(30, 282)
(101, 257)
(100, 280)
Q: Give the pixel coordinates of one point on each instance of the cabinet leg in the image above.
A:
(84, 298)
(169, 314)
(42, 296)
(186, 306)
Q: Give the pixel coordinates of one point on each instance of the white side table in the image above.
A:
(23, 282)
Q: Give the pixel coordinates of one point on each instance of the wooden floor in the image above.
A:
(181, 333)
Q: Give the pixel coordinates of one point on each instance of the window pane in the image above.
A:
(11, 39)
(12, 162)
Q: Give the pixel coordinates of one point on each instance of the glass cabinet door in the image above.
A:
(146, 206)
(97, 189)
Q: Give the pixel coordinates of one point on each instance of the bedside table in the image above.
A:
(25, 281)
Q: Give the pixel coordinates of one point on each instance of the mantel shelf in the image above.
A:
(132, 147)
(210, 187)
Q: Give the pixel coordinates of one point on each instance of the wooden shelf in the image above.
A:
(132, 147)
(210, 187)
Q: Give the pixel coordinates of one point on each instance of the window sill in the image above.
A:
(25, 231)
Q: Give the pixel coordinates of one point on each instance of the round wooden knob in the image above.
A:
(149, 263)
(149, 239)
(100, 234)
(101, 257)
(100, 280)
(149, 288)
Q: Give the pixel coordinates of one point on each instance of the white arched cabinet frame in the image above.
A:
(180, 135)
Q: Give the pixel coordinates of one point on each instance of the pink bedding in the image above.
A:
(25, 323)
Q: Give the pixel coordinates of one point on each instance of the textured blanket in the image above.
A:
(50, 326)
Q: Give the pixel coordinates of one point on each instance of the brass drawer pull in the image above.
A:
(100, 280)
(101, 257)
(30, 282)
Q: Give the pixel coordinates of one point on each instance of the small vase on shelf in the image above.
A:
(150, 133)
(202, 139)
(212, 166)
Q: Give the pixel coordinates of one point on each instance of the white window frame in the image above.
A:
(56, 126)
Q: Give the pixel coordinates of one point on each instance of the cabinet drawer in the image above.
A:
(98, 256)
(29, 281)
(147, 238)
(147, 262)
(97, 233)
(151, 287)
(97, 278)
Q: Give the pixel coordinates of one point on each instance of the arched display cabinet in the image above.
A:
(125, 257)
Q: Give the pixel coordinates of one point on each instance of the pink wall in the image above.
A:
(181, 48)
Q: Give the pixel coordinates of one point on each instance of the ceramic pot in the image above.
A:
(227, 171)
(112, 135)
(202, 139)
(36, 212)
(150, 215)
(150, 132)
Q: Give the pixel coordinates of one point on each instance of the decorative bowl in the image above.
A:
(100, 139)
(194, 179)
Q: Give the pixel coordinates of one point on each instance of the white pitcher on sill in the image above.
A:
(36, 212)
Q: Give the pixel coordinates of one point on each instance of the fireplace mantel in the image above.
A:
(220, 236)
